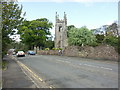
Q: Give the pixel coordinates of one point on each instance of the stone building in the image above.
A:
(61, 32)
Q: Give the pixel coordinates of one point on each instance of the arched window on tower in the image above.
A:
(60, 28)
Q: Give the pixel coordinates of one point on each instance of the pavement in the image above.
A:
(14, 77)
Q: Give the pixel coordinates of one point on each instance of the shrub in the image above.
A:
(99, 38)
(113, 41)
(56, 48)
(94, 44)
(4, 65)
(53, 48)
(47, 49)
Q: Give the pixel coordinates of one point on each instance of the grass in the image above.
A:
(3, 65)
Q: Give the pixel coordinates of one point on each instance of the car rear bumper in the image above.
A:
(20, 55)
(31, 54)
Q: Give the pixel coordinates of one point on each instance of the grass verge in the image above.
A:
(3, 64)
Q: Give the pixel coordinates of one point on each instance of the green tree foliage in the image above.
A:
(81, 36)
(35, 32)
(99, 38)
(68, 28)
(113, 41)
(11, 19)
(49, 44)
(18, 46)
(112, 29)
(0, 32)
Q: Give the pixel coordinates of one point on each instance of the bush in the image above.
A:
(56, 48)
(47, 49)
(99, 38)
(113, 41)
(4, 53)
(53, 48)
(118, 48)
(94, 44)
(4, 65)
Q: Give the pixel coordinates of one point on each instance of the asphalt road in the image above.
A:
(73, 72)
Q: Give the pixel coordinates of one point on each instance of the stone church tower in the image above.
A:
(61, 32)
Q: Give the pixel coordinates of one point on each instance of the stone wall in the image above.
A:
(99, 52)
(71, 51)
(48, 52)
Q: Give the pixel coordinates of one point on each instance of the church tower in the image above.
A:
(61, 32)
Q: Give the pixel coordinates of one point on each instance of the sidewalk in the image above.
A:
(14, 77)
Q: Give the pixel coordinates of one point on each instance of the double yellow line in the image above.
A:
(26, 68)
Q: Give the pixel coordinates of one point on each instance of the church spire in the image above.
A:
(65, 18)
(57, 17)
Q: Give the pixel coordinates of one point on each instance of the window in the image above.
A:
(60, 27)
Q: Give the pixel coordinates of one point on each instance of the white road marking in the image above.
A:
(90, 65)
(95, 66)
(67, 62)
(87, 65)
(106, 68)
(80, 64)
(84, 64)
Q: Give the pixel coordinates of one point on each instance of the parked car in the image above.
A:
(20, 53)
(31, 53)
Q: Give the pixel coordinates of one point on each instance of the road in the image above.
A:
(73, 72)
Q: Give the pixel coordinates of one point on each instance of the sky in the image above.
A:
(90, 13)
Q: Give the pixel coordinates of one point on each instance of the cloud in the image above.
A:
(68, 1)
(95, 0)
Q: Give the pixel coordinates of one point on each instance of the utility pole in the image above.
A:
(0, 31)
(0, 44)
(119, 18)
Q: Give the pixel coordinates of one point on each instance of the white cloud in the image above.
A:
(68, 1)
(95, 0)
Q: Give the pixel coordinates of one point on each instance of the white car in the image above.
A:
(20, 53)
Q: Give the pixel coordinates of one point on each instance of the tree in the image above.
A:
(18, 46)
(81, 36)
(0, 32)
(100, 38)
(68, 28)
(35, 32)
(112, 29)
(49, 44)
(11, 19)
(26, 34)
